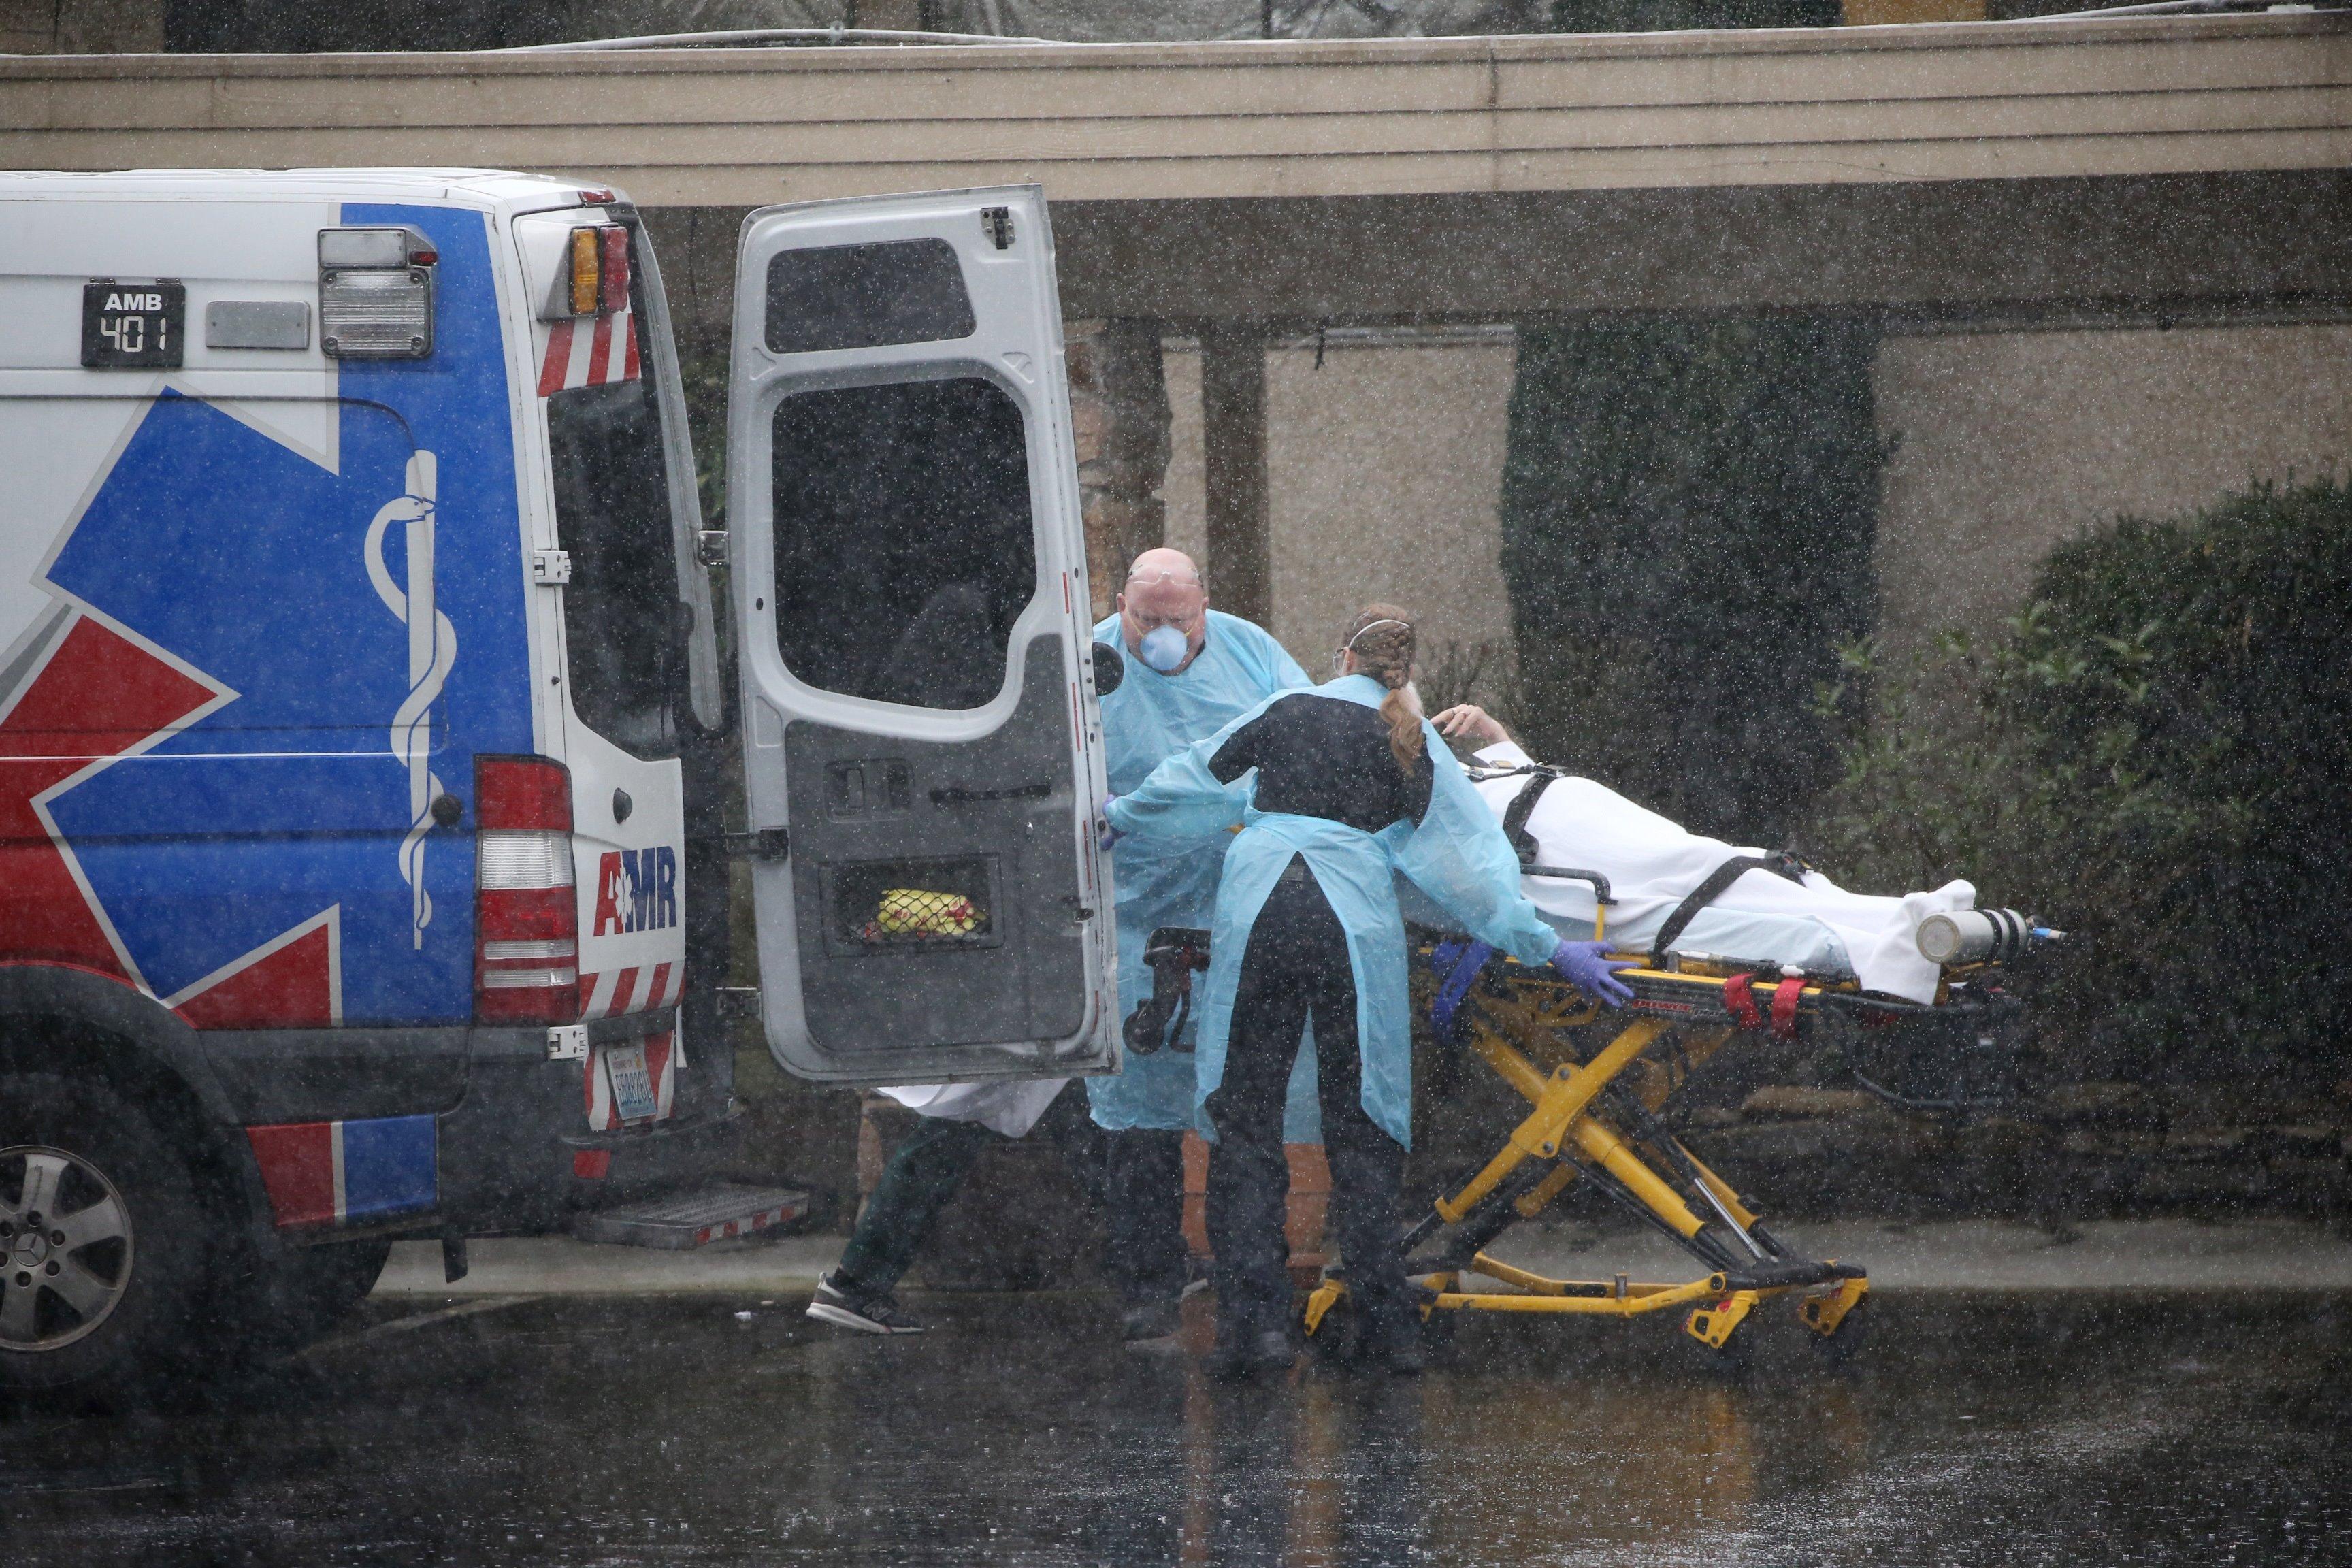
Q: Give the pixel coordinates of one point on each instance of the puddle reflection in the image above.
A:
(2049, 1429)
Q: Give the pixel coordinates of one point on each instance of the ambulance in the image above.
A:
(377, 753)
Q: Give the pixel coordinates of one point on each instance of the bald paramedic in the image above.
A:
(1189, 671)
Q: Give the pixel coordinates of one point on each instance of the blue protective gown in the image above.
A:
(1171, 879)
(1456, 854)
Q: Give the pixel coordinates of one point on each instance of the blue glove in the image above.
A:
(1589, 969)
(1109, 835)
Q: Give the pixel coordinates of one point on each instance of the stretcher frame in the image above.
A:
(1597, 1121)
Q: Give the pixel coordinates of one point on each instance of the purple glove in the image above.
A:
(1589, 969)
(1109, 835)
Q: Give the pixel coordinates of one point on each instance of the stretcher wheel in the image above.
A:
(1848, 1340)
(1437, 1331)
(1338, 1338)
(1730, 1358)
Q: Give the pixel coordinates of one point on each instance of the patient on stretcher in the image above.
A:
(1654, 865)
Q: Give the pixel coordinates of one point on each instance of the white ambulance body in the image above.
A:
(363, 731)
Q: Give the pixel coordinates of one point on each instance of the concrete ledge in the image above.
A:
(1970, 1254)
(1100, 122)
(559, 1266)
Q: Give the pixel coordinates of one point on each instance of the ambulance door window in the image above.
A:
(904, 547)
(623, 625)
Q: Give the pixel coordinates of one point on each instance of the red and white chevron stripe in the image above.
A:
(589, 351)
(638, 990)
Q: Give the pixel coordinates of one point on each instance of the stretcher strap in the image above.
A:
(1784, 1006)
(1522, 806)
(1740, 1002)
(1718, 881)
(1457, 963)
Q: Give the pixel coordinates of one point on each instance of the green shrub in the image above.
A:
(2156, 754)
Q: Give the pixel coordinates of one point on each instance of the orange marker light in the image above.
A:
(585, 271)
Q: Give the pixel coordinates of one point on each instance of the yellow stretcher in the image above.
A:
(1596, 1121)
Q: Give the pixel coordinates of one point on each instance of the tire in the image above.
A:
(120, 1277)
(309, 1289)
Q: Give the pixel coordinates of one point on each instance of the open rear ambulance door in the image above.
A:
(922, 745)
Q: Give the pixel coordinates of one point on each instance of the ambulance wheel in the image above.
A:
(106, 1247)
(312, 1289)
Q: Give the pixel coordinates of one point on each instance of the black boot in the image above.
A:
(1247, 1349)
(1393, 1342)
(1364, 1174)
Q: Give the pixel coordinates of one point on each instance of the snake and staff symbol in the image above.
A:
(432, 650)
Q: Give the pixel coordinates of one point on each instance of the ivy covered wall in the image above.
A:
(1689, 511)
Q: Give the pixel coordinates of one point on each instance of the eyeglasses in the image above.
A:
(1149, 579)
(1146, 622)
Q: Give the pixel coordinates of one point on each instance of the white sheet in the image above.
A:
(1653, 864)
(1011, 1106)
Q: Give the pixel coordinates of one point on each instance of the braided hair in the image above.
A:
(1382, 639)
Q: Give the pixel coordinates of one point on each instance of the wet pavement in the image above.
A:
(2056, 1428)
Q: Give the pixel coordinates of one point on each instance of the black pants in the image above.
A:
(1295, 968)
(1138, 1175)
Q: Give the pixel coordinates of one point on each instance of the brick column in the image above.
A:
(1118, 409)
(1232, 438)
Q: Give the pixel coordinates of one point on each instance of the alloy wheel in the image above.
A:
(65, 1248)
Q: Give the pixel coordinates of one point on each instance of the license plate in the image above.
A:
(633, 1084)
(134, 326)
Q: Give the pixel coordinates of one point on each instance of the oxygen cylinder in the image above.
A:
(1980, 936)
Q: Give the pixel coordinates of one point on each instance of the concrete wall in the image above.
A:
(2010, 442)
(1385, 466)
(1384, 469)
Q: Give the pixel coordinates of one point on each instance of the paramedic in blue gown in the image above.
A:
(1335, 788)
(1189, 671)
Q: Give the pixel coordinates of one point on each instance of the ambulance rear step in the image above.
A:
(698, 1219)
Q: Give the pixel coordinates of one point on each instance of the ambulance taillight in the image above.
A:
(526, 916)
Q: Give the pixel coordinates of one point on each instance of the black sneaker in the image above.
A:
(1393, 1341)
(1149, 1321)
(845, 1307)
